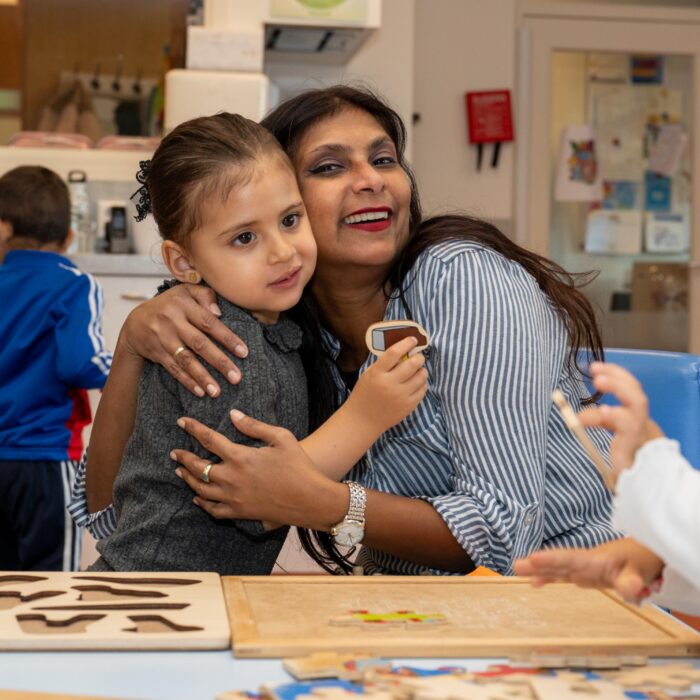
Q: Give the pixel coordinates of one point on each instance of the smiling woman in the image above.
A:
(483, 470)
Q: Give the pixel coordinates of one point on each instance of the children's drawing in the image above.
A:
(583, 166)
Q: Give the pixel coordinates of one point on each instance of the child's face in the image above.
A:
(256, 248)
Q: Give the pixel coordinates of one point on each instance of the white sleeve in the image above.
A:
(658, 504)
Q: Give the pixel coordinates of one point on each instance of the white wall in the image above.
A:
(461, 45)
(384, 63)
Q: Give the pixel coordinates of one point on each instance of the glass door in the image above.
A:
(607, 162)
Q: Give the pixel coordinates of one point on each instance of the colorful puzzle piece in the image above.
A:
(365, 618)
(330, 664)
(677, 676)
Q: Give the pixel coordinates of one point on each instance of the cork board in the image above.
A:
(294, 616)
(68, 611)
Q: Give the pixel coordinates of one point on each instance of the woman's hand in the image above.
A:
(630, 421)
(185, 316)
(390, 388)
(276, 483)
(625, 565)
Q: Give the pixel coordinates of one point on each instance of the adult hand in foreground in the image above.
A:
(276, 483)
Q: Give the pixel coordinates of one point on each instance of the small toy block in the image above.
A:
(657, 677)
(329, 664)
(371, 620)
(556, 688)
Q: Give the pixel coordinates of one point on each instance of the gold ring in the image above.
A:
(205, 473)
(182, 348)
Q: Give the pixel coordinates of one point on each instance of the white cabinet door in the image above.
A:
(122, 295)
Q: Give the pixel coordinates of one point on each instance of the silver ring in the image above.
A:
(205, 473)
(182, 348)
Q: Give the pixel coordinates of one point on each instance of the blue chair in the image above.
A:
(671, 380)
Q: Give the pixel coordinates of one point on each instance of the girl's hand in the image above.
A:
(625, 565)
(184, 317)
(630, 421)
(390, 388)
(277, 483)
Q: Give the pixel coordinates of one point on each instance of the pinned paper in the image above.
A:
(614, 232)
(620, 152)
(666, 233)
(666, 153)
(578, 175)
(657, 192)
(620, 194)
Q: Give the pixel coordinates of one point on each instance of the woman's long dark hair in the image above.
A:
(289, 123)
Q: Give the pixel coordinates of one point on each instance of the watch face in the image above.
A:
(349, 533)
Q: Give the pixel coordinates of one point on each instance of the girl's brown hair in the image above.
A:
(199, 158)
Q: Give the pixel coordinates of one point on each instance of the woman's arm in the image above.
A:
(114, 422)
(185, 316)
(279, 483)
(149, 331)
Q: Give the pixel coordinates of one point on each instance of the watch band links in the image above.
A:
(358, 501)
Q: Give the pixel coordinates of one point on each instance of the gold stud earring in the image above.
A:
(193, 277)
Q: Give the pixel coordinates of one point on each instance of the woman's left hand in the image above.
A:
(277, 483)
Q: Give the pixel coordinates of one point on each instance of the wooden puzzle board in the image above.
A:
(84, 610)
(290, 616)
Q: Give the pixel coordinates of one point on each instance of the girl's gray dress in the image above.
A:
(158, 526)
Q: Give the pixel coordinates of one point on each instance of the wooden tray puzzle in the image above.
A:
(67, 611)
(426, 616)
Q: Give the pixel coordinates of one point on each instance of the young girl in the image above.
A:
(226, 201)
(657, 503)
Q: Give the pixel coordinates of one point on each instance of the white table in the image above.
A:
(153, 675)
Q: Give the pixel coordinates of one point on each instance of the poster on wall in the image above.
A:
(578, 174)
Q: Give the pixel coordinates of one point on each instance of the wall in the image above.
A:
(461, 45)
(384, 62)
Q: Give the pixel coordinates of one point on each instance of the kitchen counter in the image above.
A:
(121, 265)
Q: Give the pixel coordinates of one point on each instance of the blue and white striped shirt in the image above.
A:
(486, 447)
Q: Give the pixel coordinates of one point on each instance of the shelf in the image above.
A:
(98, 163)
(121, 265)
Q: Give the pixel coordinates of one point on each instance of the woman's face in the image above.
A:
(356, 194)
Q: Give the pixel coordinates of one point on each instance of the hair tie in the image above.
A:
(143, 205)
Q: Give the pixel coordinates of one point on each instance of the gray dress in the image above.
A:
(158, 526)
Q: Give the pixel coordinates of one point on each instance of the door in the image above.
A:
(578, 85)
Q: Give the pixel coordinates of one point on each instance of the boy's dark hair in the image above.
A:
(194, 161)
(35, 202)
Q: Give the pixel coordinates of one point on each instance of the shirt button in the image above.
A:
(528, 519)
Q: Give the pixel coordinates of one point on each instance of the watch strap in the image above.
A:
(358, 502)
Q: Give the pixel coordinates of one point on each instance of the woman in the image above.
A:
(484, 471)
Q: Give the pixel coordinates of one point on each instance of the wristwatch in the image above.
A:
(351, 529)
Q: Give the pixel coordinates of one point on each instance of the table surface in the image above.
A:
(153, 675)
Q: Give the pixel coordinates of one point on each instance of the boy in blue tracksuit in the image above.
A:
(51, 350)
